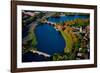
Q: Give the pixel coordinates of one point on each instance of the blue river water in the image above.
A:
(49, 39)
(65, 18)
